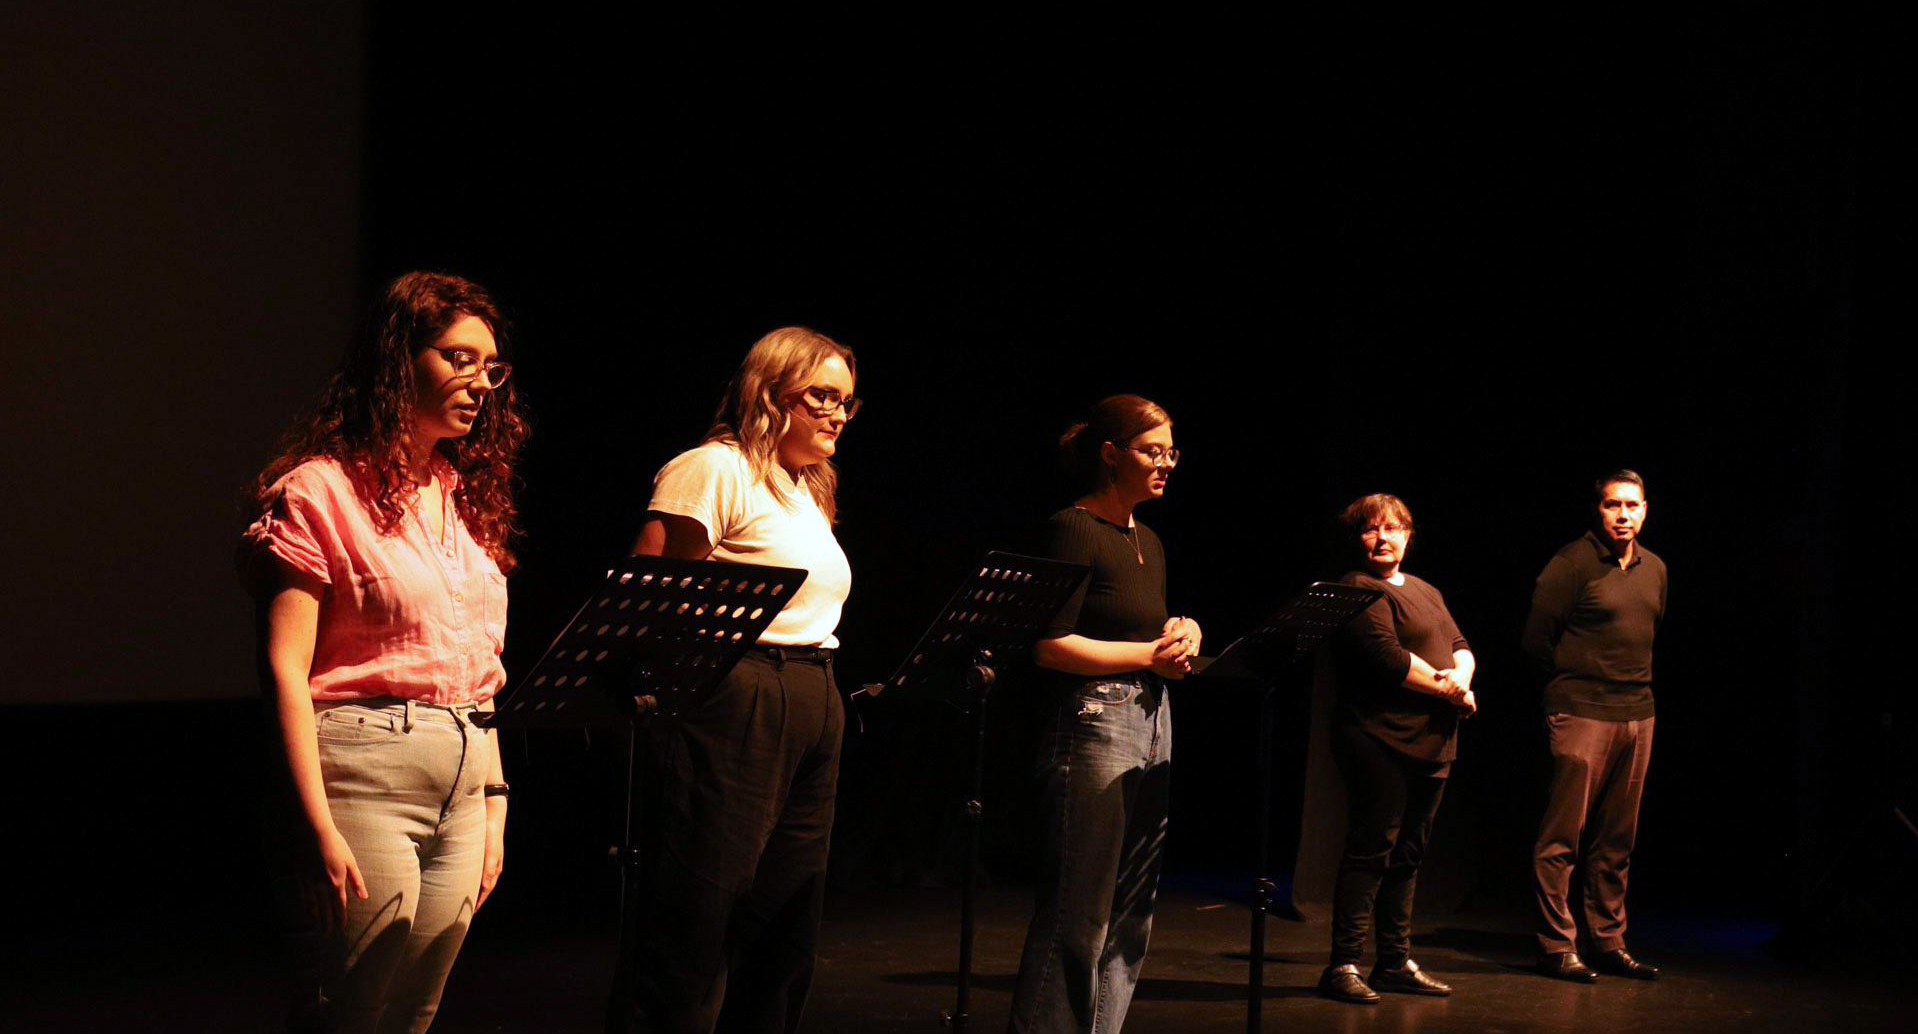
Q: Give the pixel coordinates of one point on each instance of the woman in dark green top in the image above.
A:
(1404, 678)
(1107, 750)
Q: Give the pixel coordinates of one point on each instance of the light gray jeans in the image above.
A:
(405, 782)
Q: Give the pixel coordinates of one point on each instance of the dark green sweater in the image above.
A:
(1591, 626)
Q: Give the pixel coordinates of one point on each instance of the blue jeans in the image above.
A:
(1107, 765)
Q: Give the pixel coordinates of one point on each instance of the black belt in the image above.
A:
(782, 654)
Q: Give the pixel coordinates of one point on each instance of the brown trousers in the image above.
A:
(1598, 776)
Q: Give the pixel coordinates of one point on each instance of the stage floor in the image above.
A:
(888, 964)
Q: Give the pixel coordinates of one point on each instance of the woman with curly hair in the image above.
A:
(377, 561)
(737, 878)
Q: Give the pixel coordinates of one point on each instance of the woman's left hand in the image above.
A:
(1188, 631)
(495, 857)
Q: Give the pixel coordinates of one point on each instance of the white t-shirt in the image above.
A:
(745, 522)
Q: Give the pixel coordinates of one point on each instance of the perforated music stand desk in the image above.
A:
(653, 639)
(1263, 655)
(996, 614)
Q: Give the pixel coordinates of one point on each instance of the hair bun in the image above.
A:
(1120, 419)
(1072, 448)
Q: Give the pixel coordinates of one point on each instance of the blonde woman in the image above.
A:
(747, 778)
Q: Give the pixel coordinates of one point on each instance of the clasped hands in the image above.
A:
(1177, 644)
(1455, 686)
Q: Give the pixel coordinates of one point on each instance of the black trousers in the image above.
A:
(1391, 800)
(736, 875)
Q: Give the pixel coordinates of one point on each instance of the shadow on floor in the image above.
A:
(1149, 989)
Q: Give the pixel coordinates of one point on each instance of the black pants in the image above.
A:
(1390, 802)
(736, 876)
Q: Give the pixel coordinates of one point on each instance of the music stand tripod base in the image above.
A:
(996, 614)
(652, 640)
(1263, 655)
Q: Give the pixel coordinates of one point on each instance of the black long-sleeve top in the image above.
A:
(1592, 624)
(1123, 600)
(1372, 655)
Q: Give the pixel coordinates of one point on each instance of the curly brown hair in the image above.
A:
(363, 416)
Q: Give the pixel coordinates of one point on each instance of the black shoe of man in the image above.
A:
(1619, 963)
(1342, 984)
(1565, 965)
(1406, 979)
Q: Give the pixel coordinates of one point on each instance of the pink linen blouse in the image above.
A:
(402, 615)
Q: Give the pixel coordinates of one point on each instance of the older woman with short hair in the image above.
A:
(1403, 677)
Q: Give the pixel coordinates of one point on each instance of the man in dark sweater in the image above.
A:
(1594, 612)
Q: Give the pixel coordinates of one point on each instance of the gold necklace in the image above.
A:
(1130, 533)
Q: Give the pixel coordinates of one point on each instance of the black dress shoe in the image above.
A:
(1620, 963)
(1342, 984)
(1406, 979)
(1565, 965)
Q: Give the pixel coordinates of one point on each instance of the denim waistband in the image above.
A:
(1114, 689)
(408, 711)
(1144, 680)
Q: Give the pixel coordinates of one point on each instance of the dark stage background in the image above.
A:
(1472, 264)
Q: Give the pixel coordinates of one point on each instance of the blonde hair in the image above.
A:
(753, 414)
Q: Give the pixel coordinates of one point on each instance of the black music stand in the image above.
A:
(657, 636)
(1263, 655)
(995, 616)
